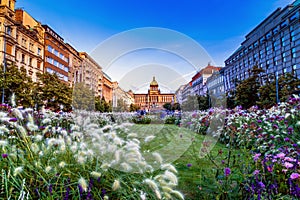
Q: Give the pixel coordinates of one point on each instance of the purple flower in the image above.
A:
(50, 189)
(280, 155)
(189, 165)
(4, 155)
(259, 121)
(286, 139)
(256, 156)
(13, 119)
(256, 172)
(227, 171)
(288, 165)
(189, 123)
(261, 184)
(294, 176)
(223, 162)
(290, 129)
(275, 126)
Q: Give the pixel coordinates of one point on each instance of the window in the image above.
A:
(294, 16)
(66, 78)
(8, 30)
(262, 40)
(255, 44)
(49, 60)
(276, 45)
(49, 70)
(49, 48)
(55, 63)
(250, 47)
(294, 52)
(23, 58)
(283, 41)
(261, 54)
(66, 69)
(39, 51)
(284, 24)
(284, 57)
(268, 35)
(292, 36)
(30, 47)
(30, 61)
(275, 31)
(56, 52)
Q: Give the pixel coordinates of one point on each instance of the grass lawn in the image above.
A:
(180, 147)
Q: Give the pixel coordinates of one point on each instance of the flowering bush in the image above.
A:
(263, 151)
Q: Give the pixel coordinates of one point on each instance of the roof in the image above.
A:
(153, 82)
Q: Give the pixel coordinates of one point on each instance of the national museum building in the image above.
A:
(154, 99)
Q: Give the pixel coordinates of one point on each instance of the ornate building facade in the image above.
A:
(154, 99)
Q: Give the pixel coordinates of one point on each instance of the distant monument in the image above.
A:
(154, 99)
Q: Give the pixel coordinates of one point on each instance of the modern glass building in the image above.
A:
(274, 46)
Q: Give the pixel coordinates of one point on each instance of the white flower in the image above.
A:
(38, 138)
(3, 130)
(35, 148)
(126, 167)
(151, 184)
(116, 185)
(178, 194)
(143, 195)
(82, 182)
(17, 171)
(48, 169)
(169, 167)
(3, 143)
(170, 176)
(62, 164)
(105, 197)
(149, 138)
(158, 195)
(81, 159)
(157, 157)
(96, 174)
(46, 121)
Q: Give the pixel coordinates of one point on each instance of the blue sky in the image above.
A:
(219, 26)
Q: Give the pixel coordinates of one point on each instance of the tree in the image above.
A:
(121, 106)
(53, 92)
(83, 97)
(203, 102)
(247, 90)
(15, 81)
(190, 104)
(287, 85)
(167, 106)
(102, 106)
(134, 107)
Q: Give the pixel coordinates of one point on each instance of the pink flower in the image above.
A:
(294, 176)
(288, 165)
(280, 155)
(290, 159)
(256, 172)
(256, 156)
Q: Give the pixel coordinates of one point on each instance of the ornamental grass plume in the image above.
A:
(83, 184)
(17, 171)
(116, 185)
